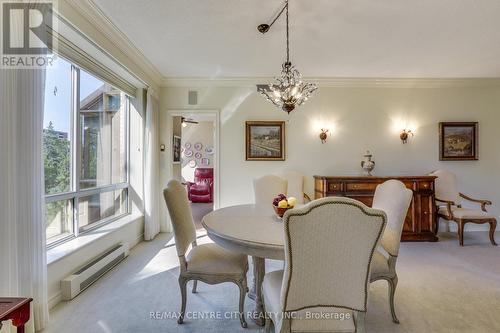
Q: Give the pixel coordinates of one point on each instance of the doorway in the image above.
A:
(197, 166)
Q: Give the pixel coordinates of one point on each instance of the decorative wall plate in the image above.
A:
(187, 145)
(198, 146)
(205, 161)
(197, 155)
(209, 150)
(188, 153)
(192, 164)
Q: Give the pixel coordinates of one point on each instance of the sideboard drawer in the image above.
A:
(423, 186)
(334, 187)
(354, 187)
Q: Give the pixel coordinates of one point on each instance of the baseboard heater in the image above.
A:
(80, 280)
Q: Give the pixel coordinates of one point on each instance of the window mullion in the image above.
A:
(76, 145)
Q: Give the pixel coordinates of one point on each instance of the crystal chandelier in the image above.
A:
(289, 91)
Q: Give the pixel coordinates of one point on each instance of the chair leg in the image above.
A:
(360, 322)
(243, 291)
(493, 226)
(461, 225)
(267, 325)
(183, 286)
(393, 283)
(195, 284)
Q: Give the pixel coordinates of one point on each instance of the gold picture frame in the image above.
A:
(265, 140)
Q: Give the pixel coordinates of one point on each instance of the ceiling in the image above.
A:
(329, 38)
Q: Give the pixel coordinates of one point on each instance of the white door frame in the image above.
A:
(216, 165)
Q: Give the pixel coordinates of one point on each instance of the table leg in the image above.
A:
(21, 317)
(259, 270)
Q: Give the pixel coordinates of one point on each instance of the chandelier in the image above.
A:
(288, 91)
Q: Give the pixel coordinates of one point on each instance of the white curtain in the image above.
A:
(151, 169)
(23, 269)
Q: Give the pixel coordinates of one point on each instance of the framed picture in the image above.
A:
(176, 150)
(458, 141)
(265, 140)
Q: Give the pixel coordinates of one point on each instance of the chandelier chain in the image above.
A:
(287, 35)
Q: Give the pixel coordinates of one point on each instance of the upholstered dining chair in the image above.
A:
(329, 244)
(295, 186)
(448, 201)
(208, 263)
(269, 186)
(394, 199)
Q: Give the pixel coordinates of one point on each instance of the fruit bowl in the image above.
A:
(281, 204)
(281, 211)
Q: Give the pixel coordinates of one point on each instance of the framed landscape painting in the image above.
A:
(458, 141)
(265, 140)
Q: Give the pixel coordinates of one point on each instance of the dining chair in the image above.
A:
(394, 199)
(267, 187)
(329, 244)
(291, 183)
(295, 186)
(448, 201)
(208, 263)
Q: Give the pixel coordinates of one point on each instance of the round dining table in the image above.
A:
(252, 230)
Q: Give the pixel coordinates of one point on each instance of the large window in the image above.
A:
(85, 149)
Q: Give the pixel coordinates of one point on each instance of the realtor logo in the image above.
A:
(26, 41)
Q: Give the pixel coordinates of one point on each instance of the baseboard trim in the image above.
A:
(55, 299)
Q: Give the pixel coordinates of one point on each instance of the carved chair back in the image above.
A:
(446, 186)
(182, 219)
(394, 199)
(267, 187)
(329, 244)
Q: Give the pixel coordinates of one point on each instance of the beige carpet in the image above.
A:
(442, 288)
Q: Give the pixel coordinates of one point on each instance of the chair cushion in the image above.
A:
(198, 189)
(213, 259)
(379, 264)
(466, 213)
(339, 320)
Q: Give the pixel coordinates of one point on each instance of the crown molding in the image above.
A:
(193, 82)
(99, 20)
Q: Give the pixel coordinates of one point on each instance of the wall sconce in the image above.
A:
(405, 135)
(323, 135)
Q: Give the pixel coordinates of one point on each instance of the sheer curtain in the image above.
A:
(23, 269)
(151, 169)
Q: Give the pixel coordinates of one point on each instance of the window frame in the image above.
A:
(75, 166)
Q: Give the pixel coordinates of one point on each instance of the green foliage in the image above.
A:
(56, 156)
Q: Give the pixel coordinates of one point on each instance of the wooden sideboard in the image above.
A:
(420, 223)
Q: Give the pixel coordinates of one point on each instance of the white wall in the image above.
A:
(360, 119)
(202, 132)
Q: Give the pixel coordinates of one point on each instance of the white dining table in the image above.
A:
(252, 230)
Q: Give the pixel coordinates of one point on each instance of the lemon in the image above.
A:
(283, 204)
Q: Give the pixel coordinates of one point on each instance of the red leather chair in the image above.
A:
(201, 190)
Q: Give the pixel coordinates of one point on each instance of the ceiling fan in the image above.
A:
(185, 121)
